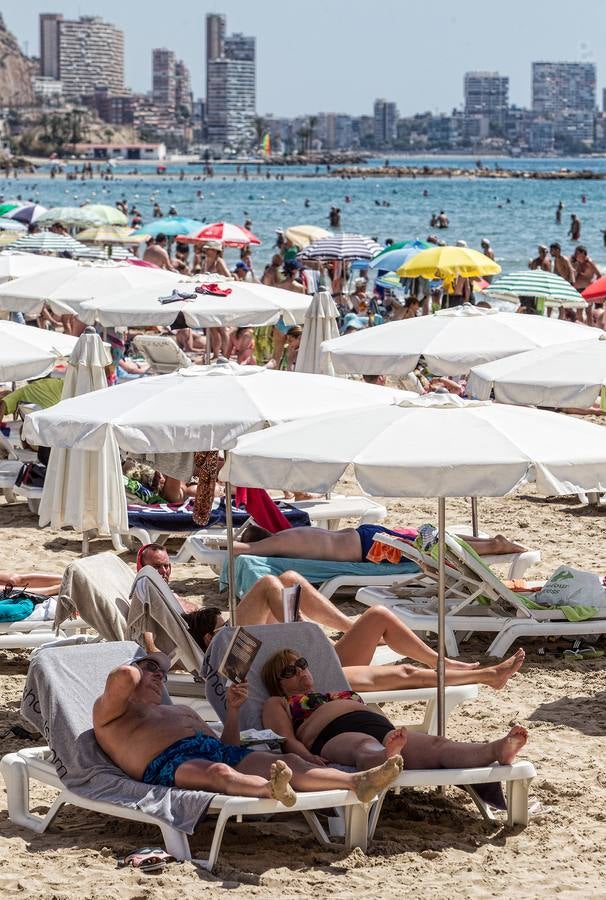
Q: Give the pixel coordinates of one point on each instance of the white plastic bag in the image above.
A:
(572, 587)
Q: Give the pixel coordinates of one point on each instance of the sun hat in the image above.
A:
(212, 245)
(351, 320)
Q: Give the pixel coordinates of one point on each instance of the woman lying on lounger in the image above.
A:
(345, 545)
(262, 605)
(37, 582)
(337, 727)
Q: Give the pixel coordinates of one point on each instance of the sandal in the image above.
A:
(580, 653)
(148, 859)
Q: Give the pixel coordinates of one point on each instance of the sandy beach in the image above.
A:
(425, 843)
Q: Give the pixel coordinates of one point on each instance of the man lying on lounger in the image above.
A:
(345, 545)
(171, 745)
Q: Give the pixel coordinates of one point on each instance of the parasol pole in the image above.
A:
(231, 575)
(441, 616)
(474, 516)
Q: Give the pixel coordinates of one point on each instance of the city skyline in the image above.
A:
(318, 57)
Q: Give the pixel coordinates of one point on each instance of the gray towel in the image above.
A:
(153, 608)
(97, 588)
(62, 685)
(306, 638)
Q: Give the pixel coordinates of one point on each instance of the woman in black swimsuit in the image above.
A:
(337, 727)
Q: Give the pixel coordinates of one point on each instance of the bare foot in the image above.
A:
(502, 545)
(509, 746)
(395, 741)
(462, 666)
(370, 783)
(279, 783)
(498, 676)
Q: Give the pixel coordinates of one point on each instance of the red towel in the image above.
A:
(262, 508)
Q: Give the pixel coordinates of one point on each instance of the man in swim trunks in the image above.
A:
(167, 744)
(348, 544)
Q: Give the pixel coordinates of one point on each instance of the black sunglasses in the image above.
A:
(290, 671)
(150, 665)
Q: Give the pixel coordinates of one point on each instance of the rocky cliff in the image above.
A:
(15, 71)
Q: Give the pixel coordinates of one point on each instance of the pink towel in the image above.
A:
(262, 508)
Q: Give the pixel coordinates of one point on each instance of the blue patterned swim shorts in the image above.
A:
(161, 770)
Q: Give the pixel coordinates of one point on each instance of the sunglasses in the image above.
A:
(150, 665)
(291, 671)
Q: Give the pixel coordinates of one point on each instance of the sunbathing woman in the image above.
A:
(46, 585)
(262, 605)
(347, 544)
(336, 727)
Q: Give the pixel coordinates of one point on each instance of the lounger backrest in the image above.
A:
(97, 588)
(306, 638)
(154, 608)
(162, 353)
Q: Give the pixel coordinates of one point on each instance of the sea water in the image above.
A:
(515, 215)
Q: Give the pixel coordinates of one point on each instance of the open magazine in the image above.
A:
(291, 602)
(239, 656)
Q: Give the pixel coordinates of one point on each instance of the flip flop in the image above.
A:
(582, 653)
(148, 859)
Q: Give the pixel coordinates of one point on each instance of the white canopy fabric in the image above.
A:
(247, 304)
(28, 352)
(199, 408)
(18, 265)
(451, 342)
(66, 289)
(418, 449)
(84, 489)
(569, 375)
(320, 325)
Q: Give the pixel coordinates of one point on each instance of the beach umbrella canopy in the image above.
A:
(567, 375)
(11, 225)
(25, 213)
(66, 289)
(28, 352)
(547, 286)
(18, 265)
(113, 252)
(302, 235)
(171, 226)
(340, 246)
(596, 290)
(88, 215)
(48, 242)
(320, 325)
(451, 341)
(247, 303)
(111, 234)
(81, 489)
(390, 280)
(394, 256)
(198, 408)
(448, 261)
(230, 235)
(9, 206)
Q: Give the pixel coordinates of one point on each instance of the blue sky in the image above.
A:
(339, 55)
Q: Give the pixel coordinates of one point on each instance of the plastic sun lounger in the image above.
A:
(208, 546)
(506, 615)
(318, 650)
(162, 353)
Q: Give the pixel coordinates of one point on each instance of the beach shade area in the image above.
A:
(230, 235)
(85, 490)
(546, 286)
(171, 226)
(450, 342)
(448, 262)
(27, 352)
(48, 242)
(66, 289)
(340, 246)
(19, 265)
(568, 375)
(303, 235)
(206, 302)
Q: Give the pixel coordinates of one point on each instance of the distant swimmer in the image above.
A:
(574, 232)
(442, 221)
(433, 221)
(558, 215)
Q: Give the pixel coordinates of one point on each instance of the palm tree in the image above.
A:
(312, 122)
(259, 129)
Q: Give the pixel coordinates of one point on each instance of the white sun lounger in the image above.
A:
(469, 579)
(162, 353)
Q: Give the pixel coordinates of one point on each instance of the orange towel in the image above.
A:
(380, 552)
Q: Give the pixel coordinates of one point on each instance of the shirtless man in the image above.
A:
(157, 255)
(586, 271)
(156, 556)
(561, 264)
(541, 261)
(171, 745)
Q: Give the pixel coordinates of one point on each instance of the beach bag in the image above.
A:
(31, 475)
(572, 587)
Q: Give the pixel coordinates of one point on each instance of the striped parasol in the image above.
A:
(117, 252)
(547, 286)
(341, 246)
(230, 235)
(49, 242)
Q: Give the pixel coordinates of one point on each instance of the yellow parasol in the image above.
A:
(111, 234)
(302, 235)
(444, 262)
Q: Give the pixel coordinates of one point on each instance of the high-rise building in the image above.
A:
(164, 79)
(91, 54)
(49, 45)
(231, 99)
(385, 123)
(215, 38)
(487, 94)
(559, 87)
(183, 94)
